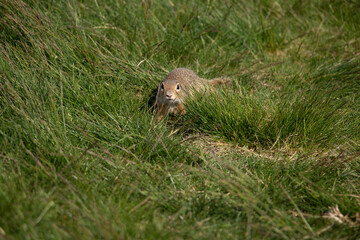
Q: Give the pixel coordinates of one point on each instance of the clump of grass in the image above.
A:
(307, 117)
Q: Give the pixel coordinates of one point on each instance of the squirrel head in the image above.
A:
(170, 91)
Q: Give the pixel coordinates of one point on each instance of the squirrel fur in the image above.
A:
(177, 86)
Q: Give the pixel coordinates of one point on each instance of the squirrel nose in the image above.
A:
(169, 95)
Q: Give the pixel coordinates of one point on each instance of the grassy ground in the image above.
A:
(274, 156)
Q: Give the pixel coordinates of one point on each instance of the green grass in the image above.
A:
(272, 156)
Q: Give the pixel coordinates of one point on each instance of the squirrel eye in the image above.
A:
(178, 87)
(162, 87)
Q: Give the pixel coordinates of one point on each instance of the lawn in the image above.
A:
(275, 155)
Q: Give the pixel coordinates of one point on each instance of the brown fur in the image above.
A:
(178, 85)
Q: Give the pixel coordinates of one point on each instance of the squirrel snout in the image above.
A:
(169, 95)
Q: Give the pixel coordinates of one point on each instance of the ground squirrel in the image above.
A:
(178, 85)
